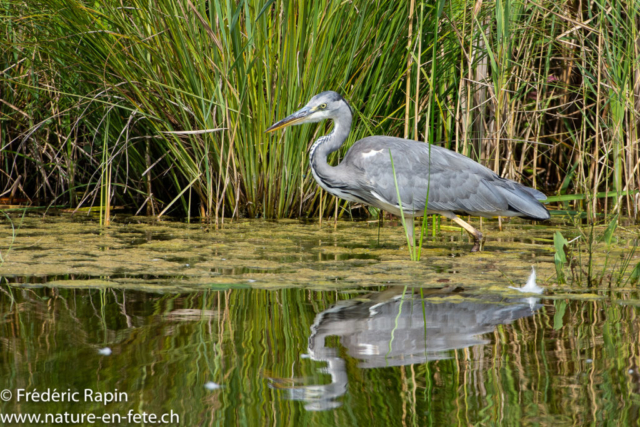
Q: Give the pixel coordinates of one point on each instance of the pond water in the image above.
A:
(286, 323)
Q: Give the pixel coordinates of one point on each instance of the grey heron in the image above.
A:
(455, 184)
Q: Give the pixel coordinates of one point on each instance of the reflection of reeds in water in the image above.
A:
(570, 361)
(165, 103)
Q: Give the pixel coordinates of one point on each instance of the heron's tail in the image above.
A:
(524, 200)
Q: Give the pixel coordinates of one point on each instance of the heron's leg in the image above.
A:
(477, 235)
(408, 221)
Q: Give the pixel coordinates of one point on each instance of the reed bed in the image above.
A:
(161, 106)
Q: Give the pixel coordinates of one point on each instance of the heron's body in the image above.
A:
(455, 184)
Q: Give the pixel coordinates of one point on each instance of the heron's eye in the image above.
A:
(322, 106)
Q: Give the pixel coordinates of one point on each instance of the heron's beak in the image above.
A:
(293, 119)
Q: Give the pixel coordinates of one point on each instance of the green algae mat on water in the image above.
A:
(286, 323)
(141, 254)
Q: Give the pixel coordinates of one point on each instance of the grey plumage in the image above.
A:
(455, 184)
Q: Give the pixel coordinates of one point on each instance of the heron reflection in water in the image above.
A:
(455, 184)
(390, 330)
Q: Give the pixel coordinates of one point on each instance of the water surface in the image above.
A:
(265, 323)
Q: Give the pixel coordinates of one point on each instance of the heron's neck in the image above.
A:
(327, 144)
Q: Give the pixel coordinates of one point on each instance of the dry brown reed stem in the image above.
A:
(408, 75)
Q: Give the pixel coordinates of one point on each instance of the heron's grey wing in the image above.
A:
(454, 182)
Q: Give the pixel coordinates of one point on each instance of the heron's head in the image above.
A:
(325, 105)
